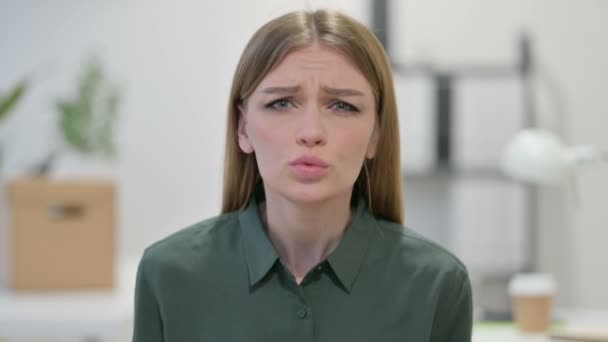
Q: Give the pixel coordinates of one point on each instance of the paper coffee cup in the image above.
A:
(532, 295)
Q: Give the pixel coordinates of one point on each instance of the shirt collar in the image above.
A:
(346, 259)
(259, 250)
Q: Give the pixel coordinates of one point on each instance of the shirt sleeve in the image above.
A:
(147, 322)
(453, 320)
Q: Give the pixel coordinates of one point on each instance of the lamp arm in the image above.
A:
(585, 154)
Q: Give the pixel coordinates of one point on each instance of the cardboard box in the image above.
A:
(62, 234)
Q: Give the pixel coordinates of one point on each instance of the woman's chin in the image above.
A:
(307, 193)
(310, 194)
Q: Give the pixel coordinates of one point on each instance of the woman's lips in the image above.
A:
(309, 167)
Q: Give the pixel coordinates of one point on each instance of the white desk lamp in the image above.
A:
(540, 157)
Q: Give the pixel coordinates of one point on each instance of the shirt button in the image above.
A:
(302, 313)
(319, 268)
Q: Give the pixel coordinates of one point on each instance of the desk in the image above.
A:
(591, 321)
(84, 314)
(496, 332)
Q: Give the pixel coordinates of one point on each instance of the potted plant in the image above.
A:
(87, 122)
(64, 227)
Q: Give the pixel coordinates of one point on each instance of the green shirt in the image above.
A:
(222, 280)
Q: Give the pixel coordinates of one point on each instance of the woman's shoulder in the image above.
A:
(415, 250)
(184, 247)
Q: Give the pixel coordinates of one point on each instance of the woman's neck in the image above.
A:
(304, 235)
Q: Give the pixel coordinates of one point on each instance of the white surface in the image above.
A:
(487, 114)
(77, 314)
(415, 96)
(506, 335)
(487, 219)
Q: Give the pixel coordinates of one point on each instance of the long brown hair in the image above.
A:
(380, 178)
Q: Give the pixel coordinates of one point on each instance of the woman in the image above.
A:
(310, 244)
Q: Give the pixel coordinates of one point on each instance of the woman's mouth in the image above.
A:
(309, 167)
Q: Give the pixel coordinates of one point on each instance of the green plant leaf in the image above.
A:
(88, 119)
(9, 101)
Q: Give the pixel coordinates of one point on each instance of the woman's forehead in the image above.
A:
(326, 66)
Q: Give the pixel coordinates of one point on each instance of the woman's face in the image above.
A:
(311, 123)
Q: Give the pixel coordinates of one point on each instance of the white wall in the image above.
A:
(570, 40)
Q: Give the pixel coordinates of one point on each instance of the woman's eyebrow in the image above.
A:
(329, 90)
(281, 90)
(342, 91)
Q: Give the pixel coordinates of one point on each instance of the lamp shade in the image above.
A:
(540, 157)
(536, 156)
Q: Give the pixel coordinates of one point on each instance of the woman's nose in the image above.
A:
(311, 130)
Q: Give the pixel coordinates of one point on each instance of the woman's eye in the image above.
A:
(279, 104)
(345, 107)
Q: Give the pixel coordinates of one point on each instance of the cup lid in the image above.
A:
(532, 284)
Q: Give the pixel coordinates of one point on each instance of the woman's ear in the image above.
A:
(244, 142)
(373, 144)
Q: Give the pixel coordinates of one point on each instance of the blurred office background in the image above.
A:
(174, 62)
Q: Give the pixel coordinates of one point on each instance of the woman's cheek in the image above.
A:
(266, 135)
(268, 144)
